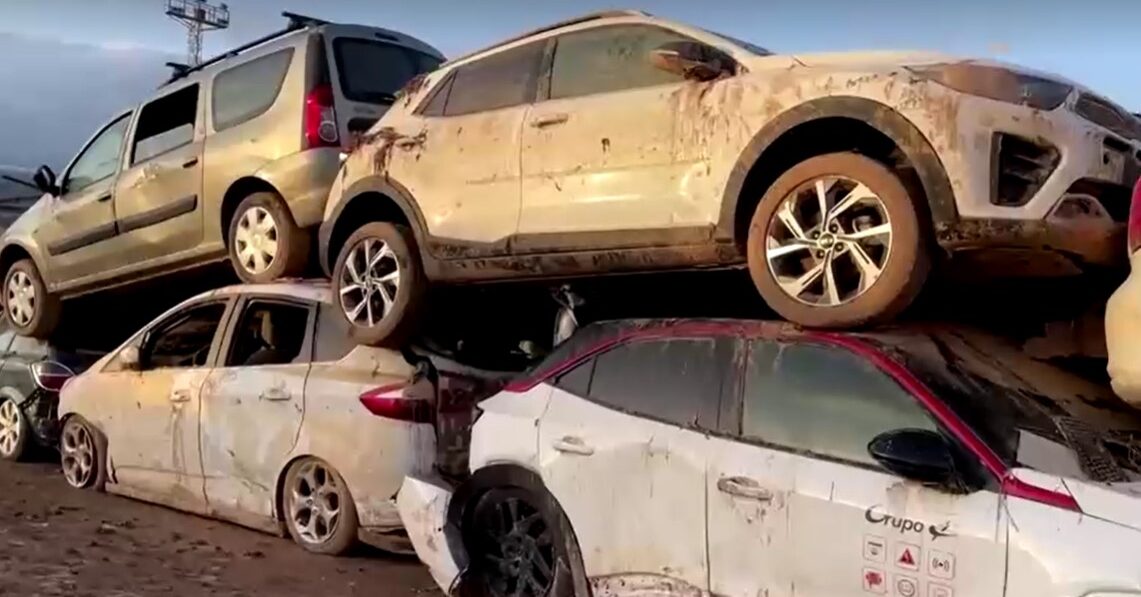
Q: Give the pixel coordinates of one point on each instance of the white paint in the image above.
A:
(423, 505)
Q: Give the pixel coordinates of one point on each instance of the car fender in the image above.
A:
(369, 184)
(423, 504)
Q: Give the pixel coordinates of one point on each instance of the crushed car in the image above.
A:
(232, 158)
(242, 404)
(621, 142)
(745, 458)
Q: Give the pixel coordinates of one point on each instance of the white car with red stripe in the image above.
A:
(242, 404)
(749, 458)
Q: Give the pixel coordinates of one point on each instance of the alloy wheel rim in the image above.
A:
(9, 428)
(256, 240)
(370, 282)
(315, 503)
(828, 241)
(77, 455)
(21, 295)
(517, 551)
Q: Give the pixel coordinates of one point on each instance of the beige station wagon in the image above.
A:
(234, 157)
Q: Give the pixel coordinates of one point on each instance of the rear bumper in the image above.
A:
(1123, 336)
(304, 180)
(423, 504)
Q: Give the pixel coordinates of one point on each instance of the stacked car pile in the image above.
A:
(733, 457)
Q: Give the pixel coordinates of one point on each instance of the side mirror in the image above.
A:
(45, 180)
(692, 60)
(129, 358)
(915, 454)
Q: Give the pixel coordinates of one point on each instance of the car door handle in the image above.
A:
(744, 487)
(275, 394)
(572, 445)
(105, 198)
(192, 162)
(549, 120)
(180, 396)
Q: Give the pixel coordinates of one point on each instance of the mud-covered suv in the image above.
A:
(622, 142)
(232, 157)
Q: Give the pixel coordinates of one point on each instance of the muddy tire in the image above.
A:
(15, 432)
(859, 261)
(379, 284)
(83, 455)
(264, 242)
(519, 543)
(319, 511)
(30, 308)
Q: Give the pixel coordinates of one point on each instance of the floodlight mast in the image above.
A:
(198, 16)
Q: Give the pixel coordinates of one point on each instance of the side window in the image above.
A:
(332, 341)
(823, 400)
(166, 124)
(677, 380)
(497, 81)
(270, 333)
(248, 90)
(609, 59)
(100, 159)
(184, 340)
(439, 99)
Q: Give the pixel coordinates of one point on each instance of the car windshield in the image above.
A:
(758, 50)
(1033, 414)
(373, 71)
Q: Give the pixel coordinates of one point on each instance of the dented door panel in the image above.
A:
(251, 417)
(647, 477)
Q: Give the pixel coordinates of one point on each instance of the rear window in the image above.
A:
(373, 71)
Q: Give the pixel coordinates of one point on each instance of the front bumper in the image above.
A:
(1123, 336)
(423, 505)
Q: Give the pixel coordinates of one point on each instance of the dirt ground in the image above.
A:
(55, 540)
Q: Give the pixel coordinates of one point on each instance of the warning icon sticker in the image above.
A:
(907, 556)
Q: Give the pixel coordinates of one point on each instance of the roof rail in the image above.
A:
(296, 23)
(594, 16)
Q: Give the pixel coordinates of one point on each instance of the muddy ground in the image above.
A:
(55, 540)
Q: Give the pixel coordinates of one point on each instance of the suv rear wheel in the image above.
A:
(30, 308)
(380, 284)
(838, 242)
(265, 243)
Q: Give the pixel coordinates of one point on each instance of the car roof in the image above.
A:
(312, 290)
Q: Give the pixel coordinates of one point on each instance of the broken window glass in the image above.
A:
(166, 124)
(823, 400)
(185, 339)
(270, 333)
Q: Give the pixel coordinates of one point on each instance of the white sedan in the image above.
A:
(749, 458)
(251, 404)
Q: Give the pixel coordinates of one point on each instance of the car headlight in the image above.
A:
(997, 83)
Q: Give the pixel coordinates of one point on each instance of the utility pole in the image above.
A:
(198, 16)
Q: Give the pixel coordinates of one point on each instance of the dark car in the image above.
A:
(31, 375)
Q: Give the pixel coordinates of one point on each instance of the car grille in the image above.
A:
(1102, 112)
(1020, 167)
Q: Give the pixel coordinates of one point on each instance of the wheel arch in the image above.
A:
(827, 125)
(235, 194)
(370, 199)
(14, 251)
(279, 487)
(515, 475)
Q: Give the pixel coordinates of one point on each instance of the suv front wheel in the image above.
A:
(30, 308)
(837, 242)
(380, 284)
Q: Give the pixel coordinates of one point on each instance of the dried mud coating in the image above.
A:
(55, 540)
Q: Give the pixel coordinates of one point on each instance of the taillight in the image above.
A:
(50, 375)
(391, 402)
(321, 118)
(1135, 218)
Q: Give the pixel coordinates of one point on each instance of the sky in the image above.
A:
(1095, 42)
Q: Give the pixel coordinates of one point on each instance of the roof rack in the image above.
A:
(594, 16)
(296, 23)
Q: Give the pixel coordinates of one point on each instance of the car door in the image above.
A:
(847, 526)
(158, 196)
(253, 404)
(598, 152)
(622, 448)
(151, 415)
(81, 220)
(459, 156)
